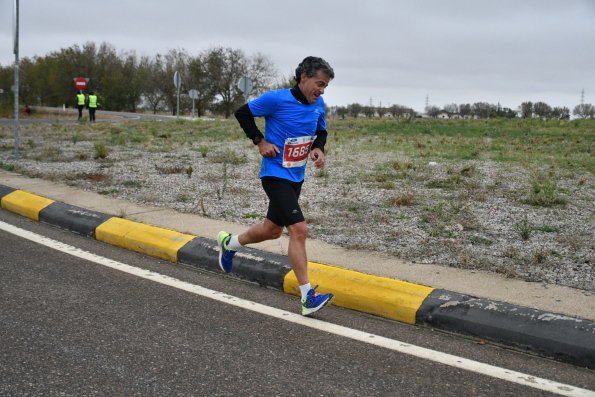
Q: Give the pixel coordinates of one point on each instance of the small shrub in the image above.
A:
(403, 165)
(109, 191)
(524, 229)
(101, 151)
(94, 176)
(406, 199)
(170, 169)
(540, 256)
(133, 184)
(184, 198)
(478, 240)
(322, 173)
(204, 150)
(544, 193)
(388, 185)
(546, 229)
(7, 167)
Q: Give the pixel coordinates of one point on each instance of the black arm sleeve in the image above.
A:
(320, 140)
(246, 119)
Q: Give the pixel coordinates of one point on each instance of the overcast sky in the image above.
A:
(384, 51)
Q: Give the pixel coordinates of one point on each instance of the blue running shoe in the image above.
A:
(225, 255)
(315, 301)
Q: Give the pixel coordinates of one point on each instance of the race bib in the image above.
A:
(295, 151)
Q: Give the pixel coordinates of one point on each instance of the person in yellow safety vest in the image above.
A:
(80, 103)
(92, 105)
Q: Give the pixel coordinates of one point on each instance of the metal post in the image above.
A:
(16, 79)
(178, 104)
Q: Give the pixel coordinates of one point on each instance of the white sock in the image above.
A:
(234, 243)
(304, 290)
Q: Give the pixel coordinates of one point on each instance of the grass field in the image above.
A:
(564, 144)
(568, 145)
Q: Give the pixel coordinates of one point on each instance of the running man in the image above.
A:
(295, 129)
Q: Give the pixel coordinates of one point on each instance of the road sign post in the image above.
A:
(177, 84)
(16, 78)
(245, 85)
(194, 95)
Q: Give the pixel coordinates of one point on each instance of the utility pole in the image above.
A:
(16, 78)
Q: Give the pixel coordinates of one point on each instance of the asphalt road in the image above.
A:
(70, 327)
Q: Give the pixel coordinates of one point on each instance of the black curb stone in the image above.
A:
(555, 335)
(5, 190)
(73, 218)
(264, 268)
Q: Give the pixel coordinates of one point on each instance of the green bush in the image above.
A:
(101, 150)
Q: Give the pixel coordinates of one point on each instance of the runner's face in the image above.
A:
(313, 87)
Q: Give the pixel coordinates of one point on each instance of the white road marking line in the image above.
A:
(377, 340)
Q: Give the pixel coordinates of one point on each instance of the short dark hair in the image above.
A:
(311, 65)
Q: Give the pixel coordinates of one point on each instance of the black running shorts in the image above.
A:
(284, 209)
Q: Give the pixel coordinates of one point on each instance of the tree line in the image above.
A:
(526, 110)
(126, 82)
(477, 110)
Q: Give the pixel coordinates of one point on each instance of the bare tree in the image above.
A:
(465, 109)
(560, 113)
(200, 80)
(542, 110)
(432, 111)
(355, 109)
(226, 66)
(452, 108)
(263, 73)
(175, 61)
(584, 110)
(152, 71)
(527, 110)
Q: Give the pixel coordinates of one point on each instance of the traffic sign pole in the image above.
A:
(194, 95)
(16, 79)
(177, 83)
(245, 85)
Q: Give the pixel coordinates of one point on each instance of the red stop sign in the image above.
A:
(80, 83)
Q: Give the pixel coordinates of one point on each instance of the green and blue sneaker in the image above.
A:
(225, 254)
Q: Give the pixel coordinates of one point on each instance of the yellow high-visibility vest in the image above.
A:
(81, 99)
(92, 101)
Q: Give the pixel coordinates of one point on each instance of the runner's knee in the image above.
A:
(274, 231)
(298, 231)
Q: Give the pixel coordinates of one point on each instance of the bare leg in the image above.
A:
(263, 231)
(297, 251)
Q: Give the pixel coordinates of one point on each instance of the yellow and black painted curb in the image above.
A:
(566, 338)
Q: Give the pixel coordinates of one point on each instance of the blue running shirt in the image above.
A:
(291, 126)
